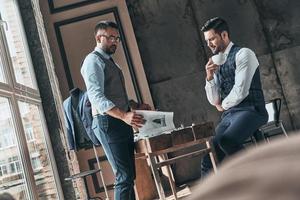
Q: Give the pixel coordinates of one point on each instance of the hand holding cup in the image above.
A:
(210, 68)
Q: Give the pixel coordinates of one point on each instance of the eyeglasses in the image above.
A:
(112, 38)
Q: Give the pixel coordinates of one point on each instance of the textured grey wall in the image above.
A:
(173, 57)
(280, 20)
(174, 52)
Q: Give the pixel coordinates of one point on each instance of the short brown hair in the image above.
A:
(103, 25)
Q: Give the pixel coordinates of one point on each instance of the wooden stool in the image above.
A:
(83, 175)
(156, 164)
(163, 145)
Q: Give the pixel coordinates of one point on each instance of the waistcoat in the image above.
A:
(114, 83)
(226, 79)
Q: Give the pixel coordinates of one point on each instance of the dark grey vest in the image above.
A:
(226, 76)
(114, 83)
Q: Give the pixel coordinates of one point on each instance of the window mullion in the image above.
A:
(21, 143)
(12, 84)
(23, 147)
(4, 54)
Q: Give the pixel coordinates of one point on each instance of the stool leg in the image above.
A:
(101, 173)
(86, 188)
(283, 129)
(265, 136)
(171, 178)
(212, 155)
(253, 140)
(135, 192)
(156, 177)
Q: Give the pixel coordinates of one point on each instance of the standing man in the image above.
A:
(234, 88)
(112, 119)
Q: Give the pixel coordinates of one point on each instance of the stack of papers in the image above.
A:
(157, 123)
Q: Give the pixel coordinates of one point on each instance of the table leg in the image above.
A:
(212, 155)
(157, 180)
(171, 178)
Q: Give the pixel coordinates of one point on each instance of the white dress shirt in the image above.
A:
(246, 65)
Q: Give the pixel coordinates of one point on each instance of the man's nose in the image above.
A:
(114, 41)
(209, 44)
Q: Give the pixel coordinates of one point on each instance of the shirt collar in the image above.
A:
(227, 50)
(105, 55)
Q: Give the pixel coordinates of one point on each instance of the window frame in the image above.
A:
(15, 92)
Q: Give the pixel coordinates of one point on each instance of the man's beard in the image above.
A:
(219, 48)
(111, 50)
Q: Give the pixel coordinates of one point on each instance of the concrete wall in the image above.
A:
(174, 52)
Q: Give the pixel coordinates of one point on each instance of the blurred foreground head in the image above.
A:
(6, 196)
(270, 171)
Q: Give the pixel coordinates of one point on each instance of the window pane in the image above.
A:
(38, 151)
(1, 72)
(16, 41)
(11, 170)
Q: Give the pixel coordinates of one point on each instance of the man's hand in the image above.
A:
(210, 68)
(133, 119)
(130, 118)
(219, 108)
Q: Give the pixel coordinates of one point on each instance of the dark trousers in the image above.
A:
(237, 124)
(116, 138)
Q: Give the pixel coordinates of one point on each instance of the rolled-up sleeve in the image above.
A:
(92, 71)
(212, 91)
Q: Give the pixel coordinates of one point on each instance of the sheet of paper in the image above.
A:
(157, 122)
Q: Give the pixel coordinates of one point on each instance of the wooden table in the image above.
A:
(168, 149)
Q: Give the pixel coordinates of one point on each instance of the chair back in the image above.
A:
(273, 108)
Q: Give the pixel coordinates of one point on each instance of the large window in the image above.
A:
(6, 138)
(26, 169)
(1, 72)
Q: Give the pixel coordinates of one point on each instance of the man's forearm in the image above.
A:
(130, 118)
(212, 94)
(116, 113)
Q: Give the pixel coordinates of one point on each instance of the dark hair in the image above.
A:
(216, 23)
(103, 25)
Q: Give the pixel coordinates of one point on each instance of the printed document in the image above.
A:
(156, 123)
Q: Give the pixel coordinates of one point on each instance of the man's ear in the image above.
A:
(224, 35)
(98, 38)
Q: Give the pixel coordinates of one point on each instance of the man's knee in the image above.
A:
(124, 184)
(229, 144)
(125, 178)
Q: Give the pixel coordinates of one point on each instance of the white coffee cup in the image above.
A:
(218, 59)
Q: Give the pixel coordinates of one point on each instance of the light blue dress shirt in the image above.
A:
(92, 71)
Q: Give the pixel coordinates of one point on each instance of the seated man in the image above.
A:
(234, 88)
